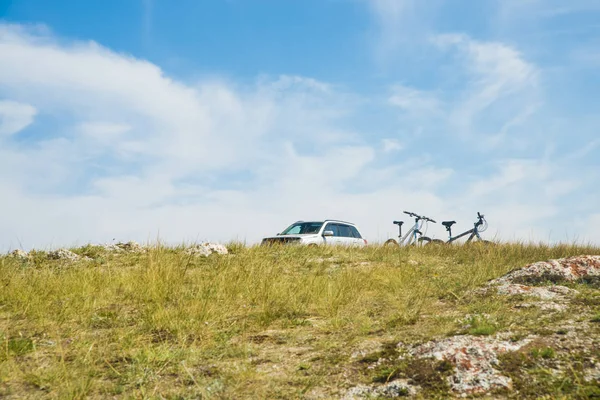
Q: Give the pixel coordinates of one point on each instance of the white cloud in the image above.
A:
(401, 25)
(133, 153)
(391, 145)
(147, 17)
(415, 101)
(498, 93)
(498, 74)
(15, 116)
(103, 131)
(207, 160)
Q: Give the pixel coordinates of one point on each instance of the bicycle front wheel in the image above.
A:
(391, 243)
(424, 240)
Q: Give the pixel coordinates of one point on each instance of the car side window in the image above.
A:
(333, 228)
(355, 232)
(344, 230)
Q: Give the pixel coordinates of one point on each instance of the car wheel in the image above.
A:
(313, 245)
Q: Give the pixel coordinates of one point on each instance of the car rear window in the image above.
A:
(345, 231)
(355, 233)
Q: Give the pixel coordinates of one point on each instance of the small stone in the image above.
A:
(18, 253)
(206, 249)
(63, 254)
(128, 247)
(394, 389)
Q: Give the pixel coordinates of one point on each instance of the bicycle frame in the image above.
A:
(473, 232)
(412, 234)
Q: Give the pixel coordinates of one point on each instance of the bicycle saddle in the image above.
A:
(398, 222)
(448, 224)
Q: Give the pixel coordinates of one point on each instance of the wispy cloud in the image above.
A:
(102, 144)
(391, 145)
(147, 19)
(15, 116)
(498, 73)
(170, 152)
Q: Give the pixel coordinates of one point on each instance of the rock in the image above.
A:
(63, 254)
(397, 388)
(18, 253)
(592, 374)
(474, 360)
(206, 249)
(522, 281)
(541, 292)
(563, 269)
(129, 247)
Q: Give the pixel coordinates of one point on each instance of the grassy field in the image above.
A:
(261, 323)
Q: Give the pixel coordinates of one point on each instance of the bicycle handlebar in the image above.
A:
(480, 219)
(412, 214)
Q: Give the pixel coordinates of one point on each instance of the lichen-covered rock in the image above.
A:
(474, 359)
(542, 292)
(206, 249)
(63, 254)
(128, 247)
(563, 269)
(592, 374)
(523, 281)
(392, 390)
(18, 253)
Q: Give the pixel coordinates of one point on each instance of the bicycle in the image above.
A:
(412, 236)
(474, 233)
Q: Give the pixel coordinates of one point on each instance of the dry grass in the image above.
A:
(259, 323)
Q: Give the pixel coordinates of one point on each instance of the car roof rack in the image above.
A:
(339, 220)
(327, 220)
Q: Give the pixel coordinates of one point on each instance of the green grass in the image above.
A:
(259, 323)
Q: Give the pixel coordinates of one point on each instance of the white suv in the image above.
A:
(312, 233)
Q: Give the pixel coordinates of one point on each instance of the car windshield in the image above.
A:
(301, 228)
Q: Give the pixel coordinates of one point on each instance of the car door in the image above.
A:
(358, 239)
(346, 237)
(335, 239)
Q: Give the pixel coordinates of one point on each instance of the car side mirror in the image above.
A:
(328, 233)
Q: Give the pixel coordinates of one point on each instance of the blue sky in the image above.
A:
(229, 119)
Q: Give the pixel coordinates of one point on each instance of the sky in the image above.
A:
(221, 120)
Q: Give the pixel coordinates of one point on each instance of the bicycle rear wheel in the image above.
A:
(391, 243)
